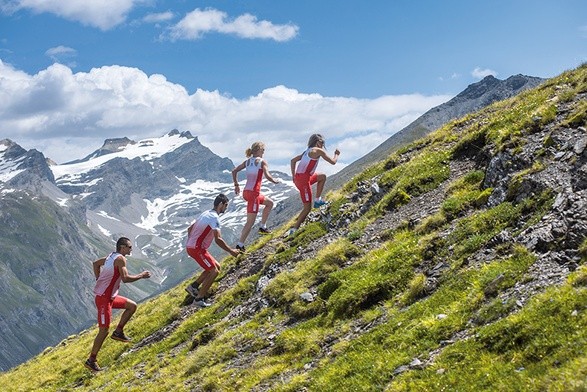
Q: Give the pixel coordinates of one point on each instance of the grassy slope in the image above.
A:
(372, 319)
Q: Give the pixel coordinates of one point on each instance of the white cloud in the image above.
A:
(199, 22)
(103, 14)
(160, 17)
(479, 73)
(60, 52)
(68, 115)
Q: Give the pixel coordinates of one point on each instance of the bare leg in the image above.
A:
(129, 309)
(268, 203)
(321, 180)
(302, 217)
(99, 340)
(209, 277)
(247, 228)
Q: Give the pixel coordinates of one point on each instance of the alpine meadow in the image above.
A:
(456, 263)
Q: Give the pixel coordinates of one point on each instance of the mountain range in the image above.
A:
(56, 219)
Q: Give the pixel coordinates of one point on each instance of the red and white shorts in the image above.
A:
(204, 258)
(304, 184)
(254, 199)
(105, 306)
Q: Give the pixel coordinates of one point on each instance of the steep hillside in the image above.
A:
(457, 263)
(475, 97)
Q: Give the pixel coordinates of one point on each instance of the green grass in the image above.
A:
(373, 312)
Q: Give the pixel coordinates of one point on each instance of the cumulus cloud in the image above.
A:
(199, 22)
(68, 115)
(479, 73)
(103, 14)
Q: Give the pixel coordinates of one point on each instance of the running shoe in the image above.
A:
(193, 291)
(202, 303)
(264, 231)
(92, 365)
(240, 248)
(120, 336)
(319, 203)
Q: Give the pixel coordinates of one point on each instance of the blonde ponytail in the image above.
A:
(254, 148)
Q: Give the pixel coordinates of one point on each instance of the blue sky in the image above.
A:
(75, 72)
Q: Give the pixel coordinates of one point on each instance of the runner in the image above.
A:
(109, 272)
(200, 235)
(305, 175)
(255, 167)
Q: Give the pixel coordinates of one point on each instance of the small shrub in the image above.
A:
(396, 199)
(415, 290)
(354, 235)
(579, 277)
(494, 310)
(470, 145)
(203, 337)
(578, 117)
(431, 223)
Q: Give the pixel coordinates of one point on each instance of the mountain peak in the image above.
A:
(116, 144)
(186, 134)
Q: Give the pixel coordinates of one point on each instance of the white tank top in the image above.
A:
(108, 281)
(254, 170)
(307, 165)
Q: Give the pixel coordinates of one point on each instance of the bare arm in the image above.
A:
(322, 153)
(221, 243)
(234, 177)
(267, 174)
(120, 263)
(97, 266)
(295, 160)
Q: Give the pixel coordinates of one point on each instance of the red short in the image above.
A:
(304, 184)
(105, 306)
(203, 258)
(254, 199)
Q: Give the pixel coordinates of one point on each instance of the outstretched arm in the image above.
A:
(268, 175)
(332, 160)
(120, 263)
(221, 243)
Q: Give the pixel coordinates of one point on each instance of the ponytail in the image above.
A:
(254, 148)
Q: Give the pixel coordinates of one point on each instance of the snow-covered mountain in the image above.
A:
(151, 190)
(56, 219)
